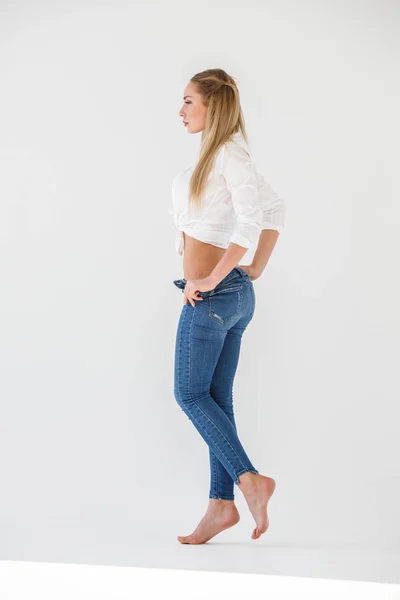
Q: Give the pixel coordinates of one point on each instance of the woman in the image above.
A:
(221, 208)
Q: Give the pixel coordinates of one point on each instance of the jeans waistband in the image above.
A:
(236, 272)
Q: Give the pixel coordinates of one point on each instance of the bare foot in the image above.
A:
(257, 489)
(220, 515)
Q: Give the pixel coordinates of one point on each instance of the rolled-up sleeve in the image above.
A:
(273, 207)
(241, 181)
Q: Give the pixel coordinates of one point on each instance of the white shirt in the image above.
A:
(237, 205)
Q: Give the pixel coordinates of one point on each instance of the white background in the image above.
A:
(96, 457)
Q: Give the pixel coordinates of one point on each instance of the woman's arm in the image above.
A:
(242, 183)
(231, 258)
(266, 244)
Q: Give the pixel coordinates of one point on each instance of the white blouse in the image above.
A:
(238, 203)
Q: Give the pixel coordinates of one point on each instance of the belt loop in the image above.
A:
(239, 271)
(242, 273)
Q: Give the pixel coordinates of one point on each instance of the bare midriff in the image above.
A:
(199, 258)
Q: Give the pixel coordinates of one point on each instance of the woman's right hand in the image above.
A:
(251, 271)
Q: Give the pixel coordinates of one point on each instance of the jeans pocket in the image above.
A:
(225, 304)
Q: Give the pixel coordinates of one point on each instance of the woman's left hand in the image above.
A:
(193, 286)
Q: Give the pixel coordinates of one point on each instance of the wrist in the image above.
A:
(256, 270)
(214, 280)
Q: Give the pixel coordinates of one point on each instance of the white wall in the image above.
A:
(92, 442)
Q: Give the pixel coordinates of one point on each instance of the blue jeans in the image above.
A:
(207, 351)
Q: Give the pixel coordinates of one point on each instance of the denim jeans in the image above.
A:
(207, 351)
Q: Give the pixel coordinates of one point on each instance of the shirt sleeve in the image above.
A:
(273, 207)
(241, 180)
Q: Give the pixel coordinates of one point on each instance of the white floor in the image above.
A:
(46, 581)
(230, 552)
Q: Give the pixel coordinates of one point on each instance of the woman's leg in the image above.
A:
(221, 483)
(199, 343)
(202, 333)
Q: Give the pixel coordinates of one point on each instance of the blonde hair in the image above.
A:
(224, 118)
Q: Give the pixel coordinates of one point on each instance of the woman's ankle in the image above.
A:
(220, 501)
(247, 480)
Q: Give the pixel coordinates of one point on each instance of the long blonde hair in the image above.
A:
(224, 118)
